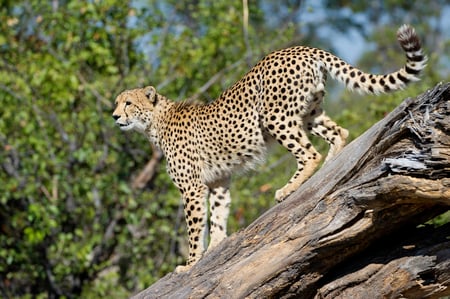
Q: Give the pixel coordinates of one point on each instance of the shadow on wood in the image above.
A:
(351, 229)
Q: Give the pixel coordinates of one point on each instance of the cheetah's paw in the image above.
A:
(181, 269)
(281, 194)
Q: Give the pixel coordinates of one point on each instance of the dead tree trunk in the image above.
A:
(351, 229)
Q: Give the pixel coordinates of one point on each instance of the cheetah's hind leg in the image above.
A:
(319, 124)
(294, 138)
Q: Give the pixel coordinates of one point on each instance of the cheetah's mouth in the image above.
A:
(131, 125)
(125, 127)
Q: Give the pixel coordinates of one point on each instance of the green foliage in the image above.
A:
(70, 223)
(65, 201)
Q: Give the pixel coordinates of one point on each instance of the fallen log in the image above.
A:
(334, 236)
(412, 263)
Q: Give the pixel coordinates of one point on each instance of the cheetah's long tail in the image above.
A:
(357, 80)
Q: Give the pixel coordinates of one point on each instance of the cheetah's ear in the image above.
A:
(150, 93)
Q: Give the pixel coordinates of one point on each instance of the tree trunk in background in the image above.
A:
(148, 173)
(351, 229)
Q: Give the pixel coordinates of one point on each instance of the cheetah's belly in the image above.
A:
(222, 157)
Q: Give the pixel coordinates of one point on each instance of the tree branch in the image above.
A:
(149, 171)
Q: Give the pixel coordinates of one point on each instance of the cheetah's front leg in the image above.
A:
(219, 206)
(194, 199)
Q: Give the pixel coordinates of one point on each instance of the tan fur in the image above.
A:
(279, 97)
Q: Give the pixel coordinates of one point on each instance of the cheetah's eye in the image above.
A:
(127, 103)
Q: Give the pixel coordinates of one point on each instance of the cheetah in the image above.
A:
(280, 97)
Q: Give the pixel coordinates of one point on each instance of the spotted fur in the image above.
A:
(280, 97)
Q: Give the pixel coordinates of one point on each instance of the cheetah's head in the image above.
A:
(134, 108)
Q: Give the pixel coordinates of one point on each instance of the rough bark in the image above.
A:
(351, 229)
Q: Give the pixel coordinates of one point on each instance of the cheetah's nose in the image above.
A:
(116, 117)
